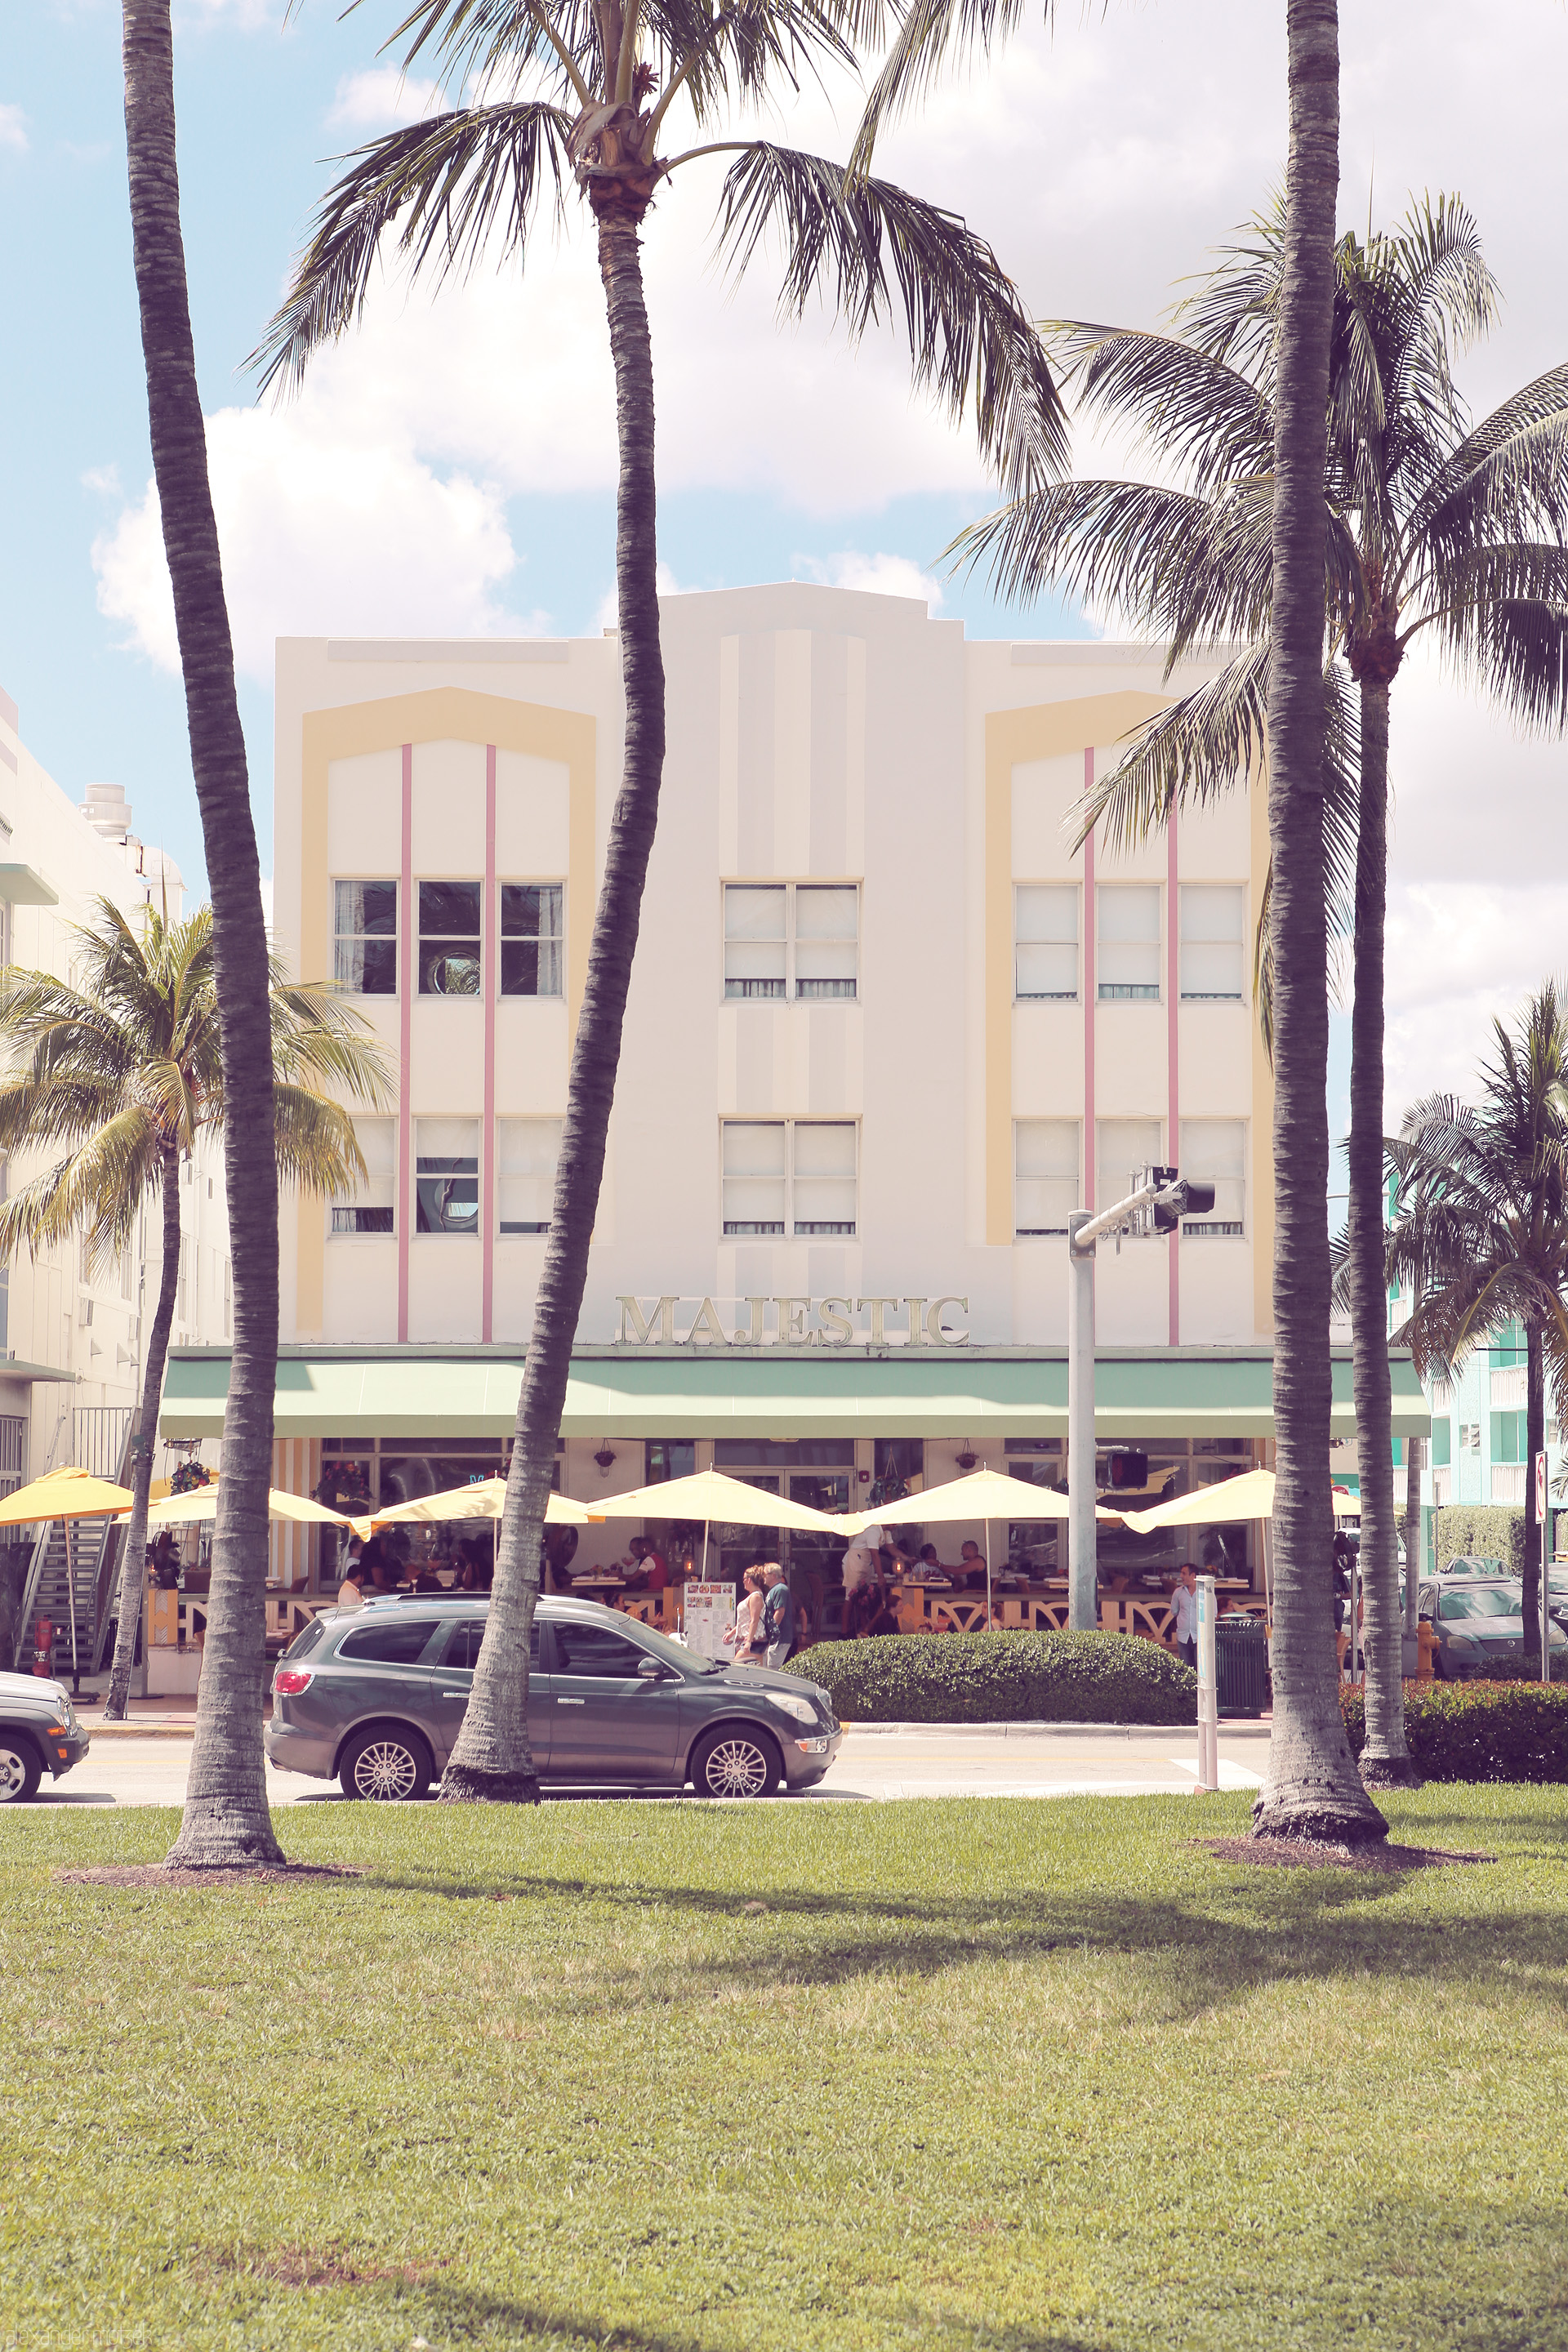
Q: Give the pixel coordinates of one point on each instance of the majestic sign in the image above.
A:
(789, 1322)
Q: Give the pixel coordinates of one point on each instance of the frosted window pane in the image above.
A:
(826, 914)
(1047, 911)
(1129, 911)
(754, 914)
(1047, 970)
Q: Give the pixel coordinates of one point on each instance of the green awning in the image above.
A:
(970, 1392)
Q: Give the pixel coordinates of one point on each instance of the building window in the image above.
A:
(532, 941)
(450, 938)
(369, 1209)
(1124, 1148)
(528, 1150)
(447, 1175)
(1127, 963)
(1214, 1151)
(791, 940)
(1045, 941)
(1471, 1438)
(670, 1457)
(1211, 968)
(1045, 1175)
(789, 1176)
(365, 956)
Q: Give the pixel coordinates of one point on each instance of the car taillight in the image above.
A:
(289, 1681)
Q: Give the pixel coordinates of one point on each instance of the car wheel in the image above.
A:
(736, 1762)
(20, 1770)
(385, 1765)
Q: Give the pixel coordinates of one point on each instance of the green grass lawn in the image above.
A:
(984, 2073)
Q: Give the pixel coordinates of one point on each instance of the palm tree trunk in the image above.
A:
(226, 1819)
(132, 1568)
(1312, 1788)
(1413, 1551)
(1385, 1760)
(491, 1760)
(1534, 1440)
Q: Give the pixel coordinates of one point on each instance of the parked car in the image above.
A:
(1472, 1564)
(39, 1733)
(373, 1697)
(1480, 1625)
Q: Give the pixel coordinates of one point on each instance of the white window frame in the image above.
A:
(533, 1230)
(1022, 1232)
(460, 1234)
(556, 939)
(1130, 992)
(463, 939)
(393, 883)
(1221, 1223)
(346, 1204)
(790, 985)
(1210, 995)
(1054, 995)
(790, 1232)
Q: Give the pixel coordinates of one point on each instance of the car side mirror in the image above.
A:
(650, 1671)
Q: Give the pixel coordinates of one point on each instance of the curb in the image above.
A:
(1242, 1729)
(134, 1730)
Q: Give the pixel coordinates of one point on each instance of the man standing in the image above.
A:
(1184, 1615)
(778, 1613)
(862, 1561)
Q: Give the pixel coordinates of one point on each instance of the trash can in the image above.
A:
(1241, 1665)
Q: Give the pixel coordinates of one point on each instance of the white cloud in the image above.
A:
(104, 480)
(320, 531)
(379, 99)
(1461, 955)
(879, 575)
(12, 129)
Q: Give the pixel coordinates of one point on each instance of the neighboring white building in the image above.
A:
(70, 1341)
(887, 1026)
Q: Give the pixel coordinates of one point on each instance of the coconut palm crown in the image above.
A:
(1433, 524)
(117, 1073)
(1479, 1234)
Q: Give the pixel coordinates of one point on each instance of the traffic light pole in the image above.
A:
(1169, 1196)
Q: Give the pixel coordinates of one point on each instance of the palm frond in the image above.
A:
(929, 33)
(454, 182)
(96, 1189)
(855, 246)
(1506, 480)
(315, 1142)
(1197, 411)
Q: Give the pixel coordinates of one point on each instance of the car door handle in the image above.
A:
(570, 1702)
(458, 1693)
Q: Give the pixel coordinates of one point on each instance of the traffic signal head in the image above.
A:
(1184, 1199)
(1128, 1468)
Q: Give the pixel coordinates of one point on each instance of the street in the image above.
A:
(873, 1764)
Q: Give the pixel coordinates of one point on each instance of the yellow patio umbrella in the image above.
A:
(485, 1499)
(1248, 1496)
(199, 1503)
(985, 1494)
(64, 1495)
(708, 1495)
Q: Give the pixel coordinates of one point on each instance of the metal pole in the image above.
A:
(1208, 1690)
(988, 1576)
(1083, 1609)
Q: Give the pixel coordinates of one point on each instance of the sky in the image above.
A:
(450, 468)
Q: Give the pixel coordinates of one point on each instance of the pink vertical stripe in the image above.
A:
(489, 981)
(1172, 994)
(1090, 928)
(408, 924)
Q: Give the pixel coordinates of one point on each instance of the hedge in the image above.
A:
(1478, 1731)
(1003, 1678)
(1481, 1531)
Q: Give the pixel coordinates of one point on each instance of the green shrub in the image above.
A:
(1484, 1530)
(1003, 1678)
(1478, 1731)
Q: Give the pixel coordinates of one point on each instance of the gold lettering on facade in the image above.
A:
(753, 1338)
(877, 1307)
(792, 1313)
(833, 1317)
(706, 1326)
(664, 1315)
(934, 1322)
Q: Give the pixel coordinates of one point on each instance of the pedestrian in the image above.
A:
(747, 1635)
(1184, 1627)
(862, 1561)
(349, 1593)
(778, 1613)
(971, 1567)
(649, 1569)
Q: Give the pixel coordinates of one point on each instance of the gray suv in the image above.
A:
(373, 1697)
(39, 1733)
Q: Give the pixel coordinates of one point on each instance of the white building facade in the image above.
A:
(72, 1336)
(888, 1027)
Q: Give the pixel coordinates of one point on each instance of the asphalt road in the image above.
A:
(869, 1766)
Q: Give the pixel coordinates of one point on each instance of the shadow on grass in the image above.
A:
(471, 2315)
(1231, 1934)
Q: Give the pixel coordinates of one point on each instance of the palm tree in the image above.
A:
(1433, 524)
(121, 1071)
(468, 187)
(1479, 1234)
(226, 1822)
